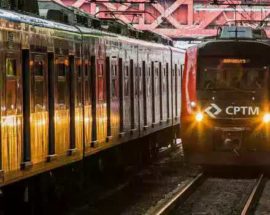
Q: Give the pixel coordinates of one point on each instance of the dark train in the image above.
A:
(71, 90)
(225, 113)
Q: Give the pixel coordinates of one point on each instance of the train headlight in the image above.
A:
(266, 118)
(199, 116)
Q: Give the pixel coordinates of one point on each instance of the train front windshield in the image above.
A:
(232, 74)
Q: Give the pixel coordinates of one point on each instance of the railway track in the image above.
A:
(247, 201)
(254, 196)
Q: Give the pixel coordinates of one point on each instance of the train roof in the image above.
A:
(72, 25)
(57, 12)
(37, 21)
(113, 36)
(23, 6)
(236, 34)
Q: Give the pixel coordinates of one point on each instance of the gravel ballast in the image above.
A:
(218, 196)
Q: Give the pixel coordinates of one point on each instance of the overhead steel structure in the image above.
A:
(179, 18)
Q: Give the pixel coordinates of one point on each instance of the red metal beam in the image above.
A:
(176, 17)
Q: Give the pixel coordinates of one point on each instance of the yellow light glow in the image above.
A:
(86, 119)
(9, 121)
(41, 122)
(266, 118)
(236, 61)
(199, 117)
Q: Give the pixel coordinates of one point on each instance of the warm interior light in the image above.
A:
(199, 117)
(266, 118)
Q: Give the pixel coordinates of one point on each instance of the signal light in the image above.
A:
(266, 118)
(199, 117)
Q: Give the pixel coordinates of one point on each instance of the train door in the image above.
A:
(176, 90)
(78, 104)
(87, 103)
(141, 94)
(161, 91)
(38, 108)
(126, 93)
(136, 97)
(101, 109)
(167, 79)
(121, 94)
(132, 95)
(62, 112)
(173, 92)
(147, 91)
(112, 96)
(178, 81)
(155, 93)
(11, 112)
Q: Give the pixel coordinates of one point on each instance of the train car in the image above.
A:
(72, 89)
(225, 114)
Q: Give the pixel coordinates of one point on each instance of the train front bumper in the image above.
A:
(227, 144)
(229, 158)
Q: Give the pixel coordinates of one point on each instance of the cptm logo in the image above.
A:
(213, 110)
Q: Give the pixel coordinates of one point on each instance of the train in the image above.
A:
(72, 89)
(225, 116)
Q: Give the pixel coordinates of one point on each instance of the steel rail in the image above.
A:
(179, 196)
(253, 197)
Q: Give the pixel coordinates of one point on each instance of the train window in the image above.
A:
(126, 71)
(114, 91)
(156, 87)
(156, 71)
(114, 81)
(10, 67)
(39, 96)
(164, 81)
(10, 94)
(38, 91)
(86, 69)
(126, 84)
(114, 70)
(182, 70)
(79, 70)
(100, 82)
(100, 71)
(136, 81)
(39, 67)
(149, 82)
(87, 91)
(79, 82)
(62, 69)
(61, 86)
(140, 80)
(11, 84)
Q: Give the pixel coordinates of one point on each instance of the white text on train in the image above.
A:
(244, 110)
